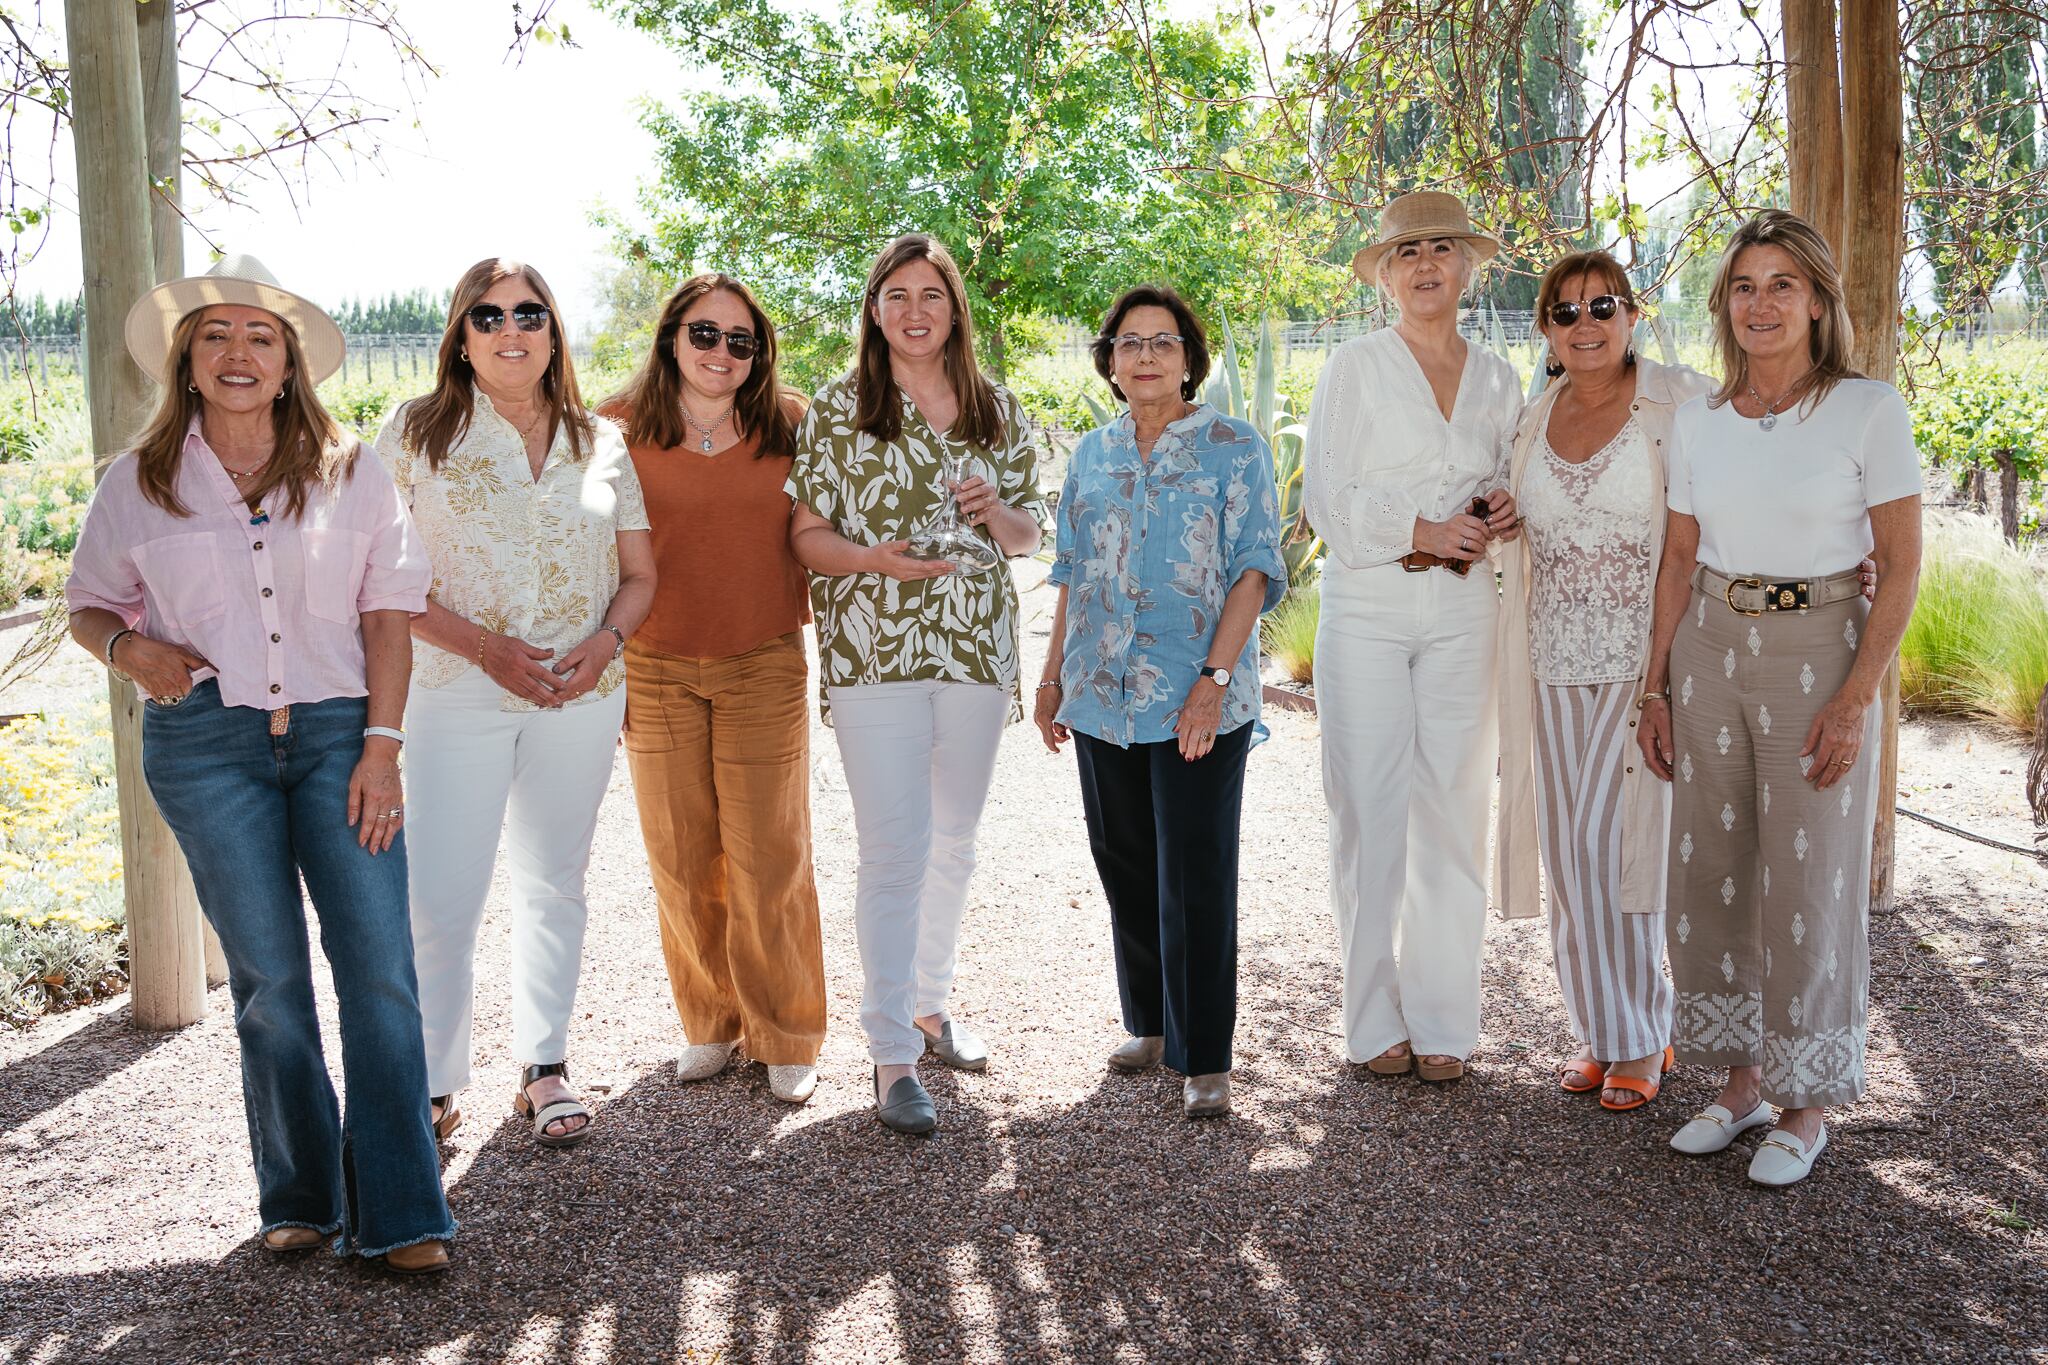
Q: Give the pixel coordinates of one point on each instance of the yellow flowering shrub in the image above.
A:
(61, 933)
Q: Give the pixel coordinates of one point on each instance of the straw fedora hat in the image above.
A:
(1418, 217)
(239, 279)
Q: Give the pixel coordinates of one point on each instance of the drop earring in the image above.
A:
(1553, 369)
(1629, 356)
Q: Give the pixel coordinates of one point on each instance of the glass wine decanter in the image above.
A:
(945, 534)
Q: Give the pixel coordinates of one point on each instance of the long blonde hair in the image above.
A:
(878, 410)
(310, 445)
(1833, 337)
(435, 422)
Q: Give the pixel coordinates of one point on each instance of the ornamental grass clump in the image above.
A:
(1290, 633)
(1978, 641)
(61, 931)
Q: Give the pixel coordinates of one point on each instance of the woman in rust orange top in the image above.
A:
(717, 727)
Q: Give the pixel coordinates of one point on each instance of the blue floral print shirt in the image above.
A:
(1148, 550)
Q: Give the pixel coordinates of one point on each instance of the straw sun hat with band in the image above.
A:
(1419, 217)
(237, 279)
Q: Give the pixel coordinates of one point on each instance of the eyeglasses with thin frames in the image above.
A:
(1165, 343)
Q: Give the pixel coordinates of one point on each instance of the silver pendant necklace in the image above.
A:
(1769, 420)
(707, 431)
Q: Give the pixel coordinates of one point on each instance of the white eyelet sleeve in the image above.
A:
(1363, 521)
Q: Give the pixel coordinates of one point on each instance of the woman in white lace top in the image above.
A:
(1405, 431)
(1587, 470)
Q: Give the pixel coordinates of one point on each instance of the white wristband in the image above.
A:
(383, 732)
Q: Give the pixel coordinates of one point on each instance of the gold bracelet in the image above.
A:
(481, 636)
(1649, 697)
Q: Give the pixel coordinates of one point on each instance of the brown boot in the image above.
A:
(421, 1258)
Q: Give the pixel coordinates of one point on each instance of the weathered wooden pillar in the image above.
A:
(166, 951)
(1813, 122)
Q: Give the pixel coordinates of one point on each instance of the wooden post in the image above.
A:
(1813, 115)
(166, 952)
(163, 130)
(1874, 227)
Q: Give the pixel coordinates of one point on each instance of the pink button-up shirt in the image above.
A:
(273, 605)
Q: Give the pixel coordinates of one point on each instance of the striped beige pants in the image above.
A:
(1767, 921)
(1609, 955)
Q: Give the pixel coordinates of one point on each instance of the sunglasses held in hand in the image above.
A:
(527, 317)
(741, 345)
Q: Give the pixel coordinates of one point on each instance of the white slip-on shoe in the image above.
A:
(792, 1084)
(702, 1061)
(1713, 1128)
(1784, 1160)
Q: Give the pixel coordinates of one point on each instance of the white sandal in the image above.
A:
(558, 1111)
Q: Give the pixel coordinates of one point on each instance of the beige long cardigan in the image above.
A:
(1645, 799)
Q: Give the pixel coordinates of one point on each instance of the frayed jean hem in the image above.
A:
(368, 1253)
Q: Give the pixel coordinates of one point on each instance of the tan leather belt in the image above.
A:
(1421, 562)
(1753, 596)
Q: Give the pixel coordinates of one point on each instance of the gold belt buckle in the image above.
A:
(1729, 594)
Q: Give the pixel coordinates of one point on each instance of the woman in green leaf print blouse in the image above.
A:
(918, 662)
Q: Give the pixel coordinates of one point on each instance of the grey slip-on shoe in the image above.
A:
(909, 1107)
(956, 1047)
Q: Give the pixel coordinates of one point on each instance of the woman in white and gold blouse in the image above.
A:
(1405, 431)
(532, 515)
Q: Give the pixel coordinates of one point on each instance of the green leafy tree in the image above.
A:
(1984, 416)
(1040, 139)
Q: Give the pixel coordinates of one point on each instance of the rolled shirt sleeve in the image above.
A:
(103, 573)
(1017, 466)
(1251, 524)
(1065, 527)
(397, 573)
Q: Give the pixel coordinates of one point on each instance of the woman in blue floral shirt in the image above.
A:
(1169, 551)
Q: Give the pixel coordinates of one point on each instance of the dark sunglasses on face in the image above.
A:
(704, 335)
(527, 317)
(1564, 313)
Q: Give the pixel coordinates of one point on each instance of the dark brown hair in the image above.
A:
(878, 410)
(1192, 336)
(439, 419)
(1599, 265)
(650, 406)
(310, 444)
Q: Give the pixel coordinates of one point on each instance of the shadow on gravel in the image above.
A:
(77, 1062)
(1337, 1216)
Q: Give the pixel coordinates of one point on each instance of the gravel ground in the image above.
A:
(1065, 1213)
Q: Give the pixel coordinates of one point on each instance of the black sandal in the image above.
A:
(556, 1112)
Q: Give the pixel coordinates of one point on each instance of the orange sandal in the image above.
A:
(1583, 1069)
(1645, 1088)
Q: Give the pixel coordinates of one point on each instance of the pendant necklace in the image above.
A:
(1769, 420)
(707, 431)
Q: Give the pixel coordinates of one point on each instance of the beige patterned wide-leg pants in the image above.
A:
(1770, 879)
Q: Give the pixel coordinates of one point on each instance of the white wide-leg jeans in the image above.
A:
(919, 757)
(473, 771)
(1405, 696)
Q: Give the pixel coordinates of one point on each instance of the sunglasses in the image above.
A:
(1565, 313)
(1166, 343)
(527, 317)
(705, 335)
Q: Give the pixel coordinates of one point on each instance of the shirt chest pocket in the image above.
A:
(183, 576)
(335, 561)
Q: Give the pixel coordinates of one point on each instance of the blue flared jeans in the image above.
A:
(254, 813)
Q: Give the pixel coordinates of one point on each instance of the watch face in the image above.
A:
(1220, 676)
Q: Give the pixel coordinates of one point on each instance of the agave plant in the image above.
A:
(1286, 437)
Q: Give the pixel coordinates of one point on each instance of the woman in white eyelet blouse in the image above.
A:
(1407, 428)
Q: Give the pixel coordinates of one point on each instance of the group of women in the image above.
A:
(515, 578)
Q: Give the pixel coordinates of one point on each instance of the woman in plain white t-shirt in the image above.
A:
(1759, 694)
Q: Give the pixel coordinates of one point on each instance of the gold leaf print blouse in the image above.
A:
(537, 559)
(871, 628)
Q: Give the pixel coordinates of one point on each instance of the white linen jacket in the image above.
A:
(1645, 798)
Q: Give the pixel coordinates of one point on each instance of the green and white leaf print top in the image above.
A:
(871, 628)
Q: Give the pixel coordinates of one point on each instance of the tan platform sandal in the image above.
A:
(1391, 1063)
(450, 1120)
(547, 1114)
(1441, 1072)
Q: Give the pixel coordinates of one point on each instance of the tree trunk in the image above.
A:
(1813, 115)
(1975, 494)
(2008, 496)
(1874, 224)
(166, 951)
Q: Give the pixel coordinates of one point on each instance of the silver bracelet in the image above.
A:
(383, 732)
(1050, 682)
(618, 635)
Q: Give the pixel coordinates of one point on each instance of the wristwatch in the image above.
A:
(618, 635)
(1219, 676)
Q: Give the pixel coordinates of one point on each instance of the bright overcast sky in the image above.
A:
(507, 161)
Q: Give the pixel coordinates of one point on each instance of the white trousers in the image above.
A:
(918, 757)
(1405, 696)
(472, 771)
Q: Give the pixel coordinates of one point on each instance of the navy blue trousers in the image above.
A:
(1164, 834)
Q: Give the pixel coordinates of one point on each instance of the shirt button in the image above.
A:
(258, 545)
(266, 592)
(278, 639)
(1631, 769)
(275, 688)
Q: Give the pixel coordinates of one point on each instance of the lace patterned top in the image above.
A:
(1590, 583)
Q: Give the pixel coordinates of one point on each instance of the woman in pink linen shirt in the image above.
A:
(256, 576)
